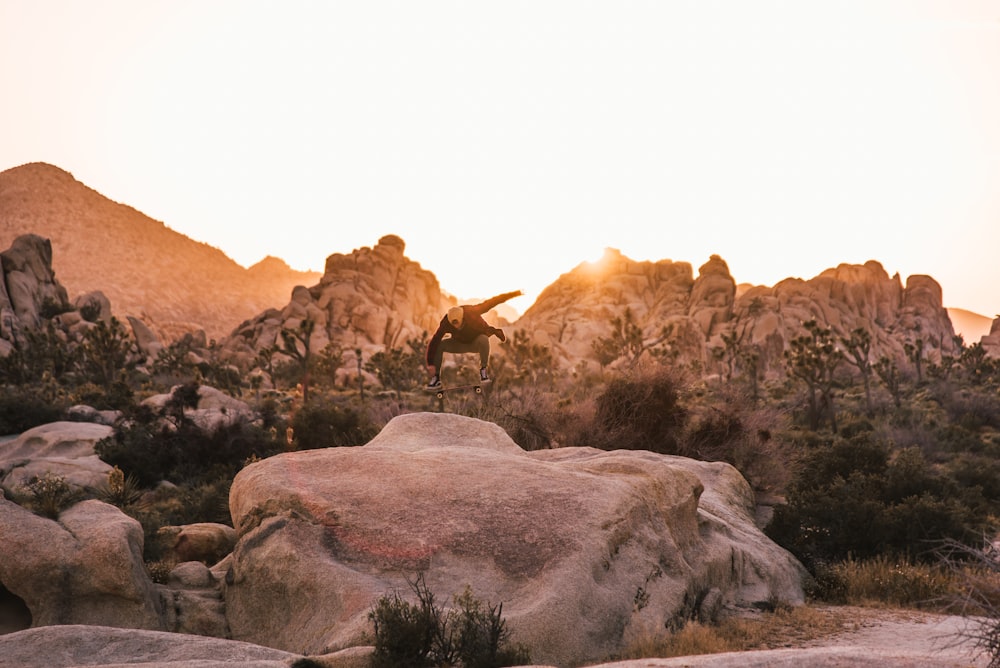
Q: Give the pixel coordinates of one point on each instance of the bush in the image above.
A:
(641, 412)
(323, 424)
(48, 495)
(731, 429)
(152, 448)
(21, 410)
(472, 635)
(848, 499)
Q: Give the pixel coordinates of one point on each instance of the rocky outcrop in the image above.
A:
(85, 568)
(29, 285)
(698, 312)
(64, 449)
(585, 548)
(212, 408)
(32, 300)
(991, 342)
(371, 299)
(172, 283)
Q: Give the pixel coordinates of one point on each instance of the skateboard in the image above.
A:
(439, 392)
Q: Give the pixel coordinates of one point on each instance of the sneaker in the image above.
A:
(435, 383)
(483, 376)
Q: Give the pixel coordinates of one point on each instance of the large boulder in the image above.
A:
(64, 449)
(85, 568)
(79, 645)
(585, 548)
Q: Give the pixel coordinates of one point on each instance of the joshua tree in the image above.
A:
(813, 358)
(858, 346)
(295, 344)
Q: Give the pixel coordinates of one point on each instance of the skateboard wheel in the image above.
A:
(439, 395)
(479, 390)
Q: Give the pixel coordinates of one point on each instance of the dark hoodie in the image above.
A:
(473, 324)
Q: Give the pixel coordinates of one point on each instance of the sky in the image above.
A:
(506, 142)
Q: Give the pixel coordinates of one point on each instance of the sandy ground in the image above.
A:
(889, 638)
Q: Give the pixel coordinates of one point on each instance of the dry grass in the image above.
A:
(786, 627)
(885, 581)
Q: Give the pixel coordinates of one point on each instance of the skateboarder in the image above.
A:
(468, 333)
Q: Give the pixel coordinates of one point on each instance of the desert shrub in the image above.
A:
(323, 424)
(21, 409)
(848, 498)
(978, 480)
(48, 495)
(119, 489)
(116, 396)
(641, 412)
(729, 428)
(527, 414)
(152, 448)
(968, 407)
(471, 635)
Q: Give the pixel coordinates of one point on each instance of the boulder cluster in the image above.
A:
(587, 550)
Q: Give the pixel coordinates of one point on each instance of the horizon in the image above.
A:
(970, 324)
(507, 145)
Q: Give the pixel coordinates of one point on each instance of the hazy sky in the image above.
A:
(506, 142)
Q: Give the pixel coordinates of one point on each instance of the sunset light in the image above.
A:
(507, 143)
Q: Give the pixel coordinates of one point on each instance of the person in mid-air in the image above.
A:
(468, 333)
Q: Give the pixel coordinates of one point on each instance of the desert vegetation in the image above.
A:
(870, 466)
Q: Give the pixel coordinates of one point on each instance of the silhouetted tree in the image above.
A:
(295, 344)
(813, 358)
(858, 346)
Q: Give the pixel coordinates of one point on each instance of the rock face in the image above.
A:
(61, 448)
(577, 309)
(372, 299)
(85, 568)
(28, 284)
(991, 342)
(584, 548)
(32, 299)
(149, 271)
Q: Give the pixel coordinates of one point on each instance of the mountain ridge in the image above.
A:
(172, 282)
(148, 270)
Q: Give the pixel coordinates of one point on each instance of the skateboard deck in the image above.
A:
(439, 392)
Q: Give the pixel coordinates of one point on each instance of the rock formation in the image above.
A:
(584, 548)
(372, 299)
(991, 342)
(172, 283)
(64, 449)
(697, 312)
(85, 568)
(32, 299)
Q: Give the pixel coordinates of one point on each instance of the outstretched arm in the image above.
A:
(496, 301)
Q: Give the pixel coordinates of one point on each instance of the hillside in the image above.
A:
(145, 268)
